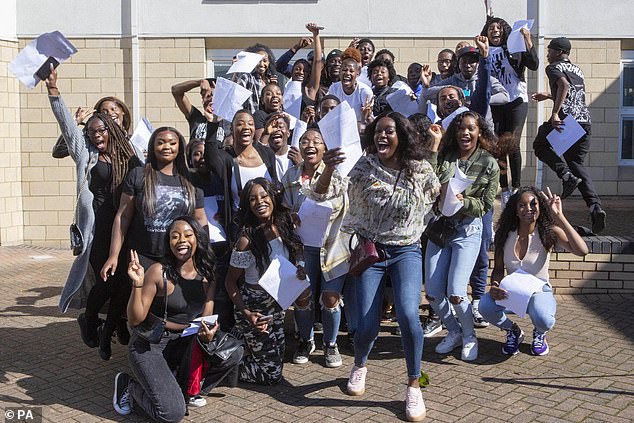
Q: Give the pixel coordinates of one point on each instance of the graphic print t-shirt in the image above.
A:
(575, 103)
(147, 233)
(200, 127)
(502, 70)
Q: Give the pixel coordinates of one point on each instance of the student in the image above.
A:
(388, 56)
(332, 71)
(391, 189)
(414, 71)
(509, 69)
(530, 226)
(309, 73)
(267, 231)
(349, 89)
(262, 74)
(276, 133)
(270, 102)
(467, 143)
(567, 91)
(103, 156)
(316, 178)
(382, 75)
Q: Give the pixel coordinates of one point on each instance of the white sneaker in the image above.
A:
(356, 381)
(449, 343)
(415, 410)
(197, 401)
(478, 320)
(470, 348)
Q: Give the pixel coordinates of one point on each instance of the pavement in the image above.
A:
(588, 375)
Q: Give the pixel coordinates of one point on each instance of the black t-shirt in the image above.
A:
(147, 233)
(214, 193)
(200, 127)
(575, 103)
(259, 118)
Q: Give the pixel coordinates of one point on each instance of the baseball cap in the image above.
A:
(560, 43)
(468, 50)
(334, 53)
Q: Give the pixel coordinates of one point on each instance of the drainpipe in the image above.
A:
(134, 38)
(541, 72)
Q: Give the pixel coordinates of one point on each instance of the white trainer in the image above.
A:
(356, 381)
(415, 410)
(470, 348)
(449, 343)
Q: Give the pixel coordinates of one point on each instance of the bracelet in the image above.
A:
(137, 286)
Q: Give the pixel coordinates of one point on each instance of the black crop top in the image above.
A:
(185, 303)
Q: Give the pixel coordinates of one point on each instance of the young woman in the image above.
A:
(103, 156)
(509, 69)
(309, 74)
(390, 191)
(264, 73)
(270, 102)
(467, 144)
(316, 178)
(161, 370)
(530, 226)
(382, 75)
(153, 196)
(357, 94)
(267, 232)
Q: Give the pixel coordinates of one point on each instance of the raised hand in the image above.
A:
(205, 89)
(82, 114)
(435, 132)
(308, 114)
(354, 43)
(554, 201)
(334, 157)
(135, 270)
(426, 76)
(366, 109)
(294, 155)
(302, 43)
(482, 42)
(313, 28)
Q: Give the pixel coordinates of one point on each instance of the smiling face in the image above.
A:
(349, 73)
(527, 209)
(312, 147)
(333, 67)
(386, 140)
(468, 133)
(278, 135)
(243, 129)
(183, 241)
(166, 147)
(299, 71)
(113, 110)
(448, 101)
(494, 34)
(198, 158)
(380, 76)
(263, 66)
(260, 203)
(272, 98)
(98, 134)
(367, 51)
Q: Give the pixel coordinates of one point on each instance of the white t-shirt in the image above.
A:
(246, 174)
(283, 163)
(356, 100)
(502, 70)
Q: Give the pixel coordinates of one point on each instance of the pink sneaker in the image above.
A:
(414, 405)
(356, 381)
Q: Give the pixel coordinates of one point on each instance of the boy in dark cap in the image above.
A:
(567, 89)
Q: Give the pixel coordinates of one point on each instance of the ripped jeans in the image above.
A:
(330, 317)
(447, 272)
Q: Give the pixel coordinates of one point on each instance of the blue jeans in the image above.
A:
(403, 265)
(478, 280)
(330, 317)
(447, 272)
(541, 309)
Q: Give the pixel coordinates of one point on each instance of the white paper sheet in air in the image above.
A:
(141, 137)
(33, 56)
(300, 128)
(447, 121)
(364, 77)
(216, 231)
(401, 99)
(228, 98)
(569, 135)
(292, 98)
(515, 42)
(520, 287)
(281, 282)
(432, 112)
(456, 185)
(195, 325)
(339, 130)
(314, 217)
(245, 62)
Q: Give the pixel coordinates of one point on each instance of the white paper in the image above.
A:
(520, 287)
(570, 133)
(292, 98)
(281, 282)
(432, 112)
(216, 231)
(300, 128)
(447, 121)
(141, 137)
(245, 62)
(402, 100)
(456, 185)
(339, 130)
(314, 218)
(364, 77)
(228, 98)
(292, 121)
(33, 56)
(515, 42)
(195, 325)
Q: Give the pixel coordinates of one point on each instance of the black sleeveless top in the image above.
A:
(185, 303)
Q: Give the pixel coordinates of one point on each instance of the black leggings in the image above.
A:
(510, 117)
(116, 289)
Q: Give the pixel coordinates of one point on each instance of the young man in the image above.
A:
(567, 89)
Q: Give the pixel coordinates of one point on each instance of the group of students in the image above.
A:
(193, 230)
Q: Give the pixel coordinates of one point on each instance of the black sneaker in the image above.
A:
(121, 399)
(431, 327)
(318, 327)
(105, 343)
(597, 215)
(303, 351)
(88, 330)
(332, 356)
(569, 184)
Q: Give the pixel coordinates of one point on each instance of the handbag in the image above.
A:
(76, 237)
(153, 327)
(222, 346)
(366, 253)
(440, 230)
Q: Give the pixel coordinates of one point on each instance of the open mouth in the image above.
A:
(382, 146)
(183, 249)
(115, 118)
(275, 101)
(346, 80)
(245, 134)
(262, 208)
(310, 153)
(101, 146)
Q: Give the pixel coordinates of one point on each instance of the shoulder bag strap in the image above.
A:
(165, 295)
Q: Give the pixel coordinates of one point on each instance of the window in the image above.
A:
(626, 144)
(219, 60)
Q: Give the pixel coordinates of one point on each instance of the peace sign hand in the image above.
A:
(554, 201)
(135, 270)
